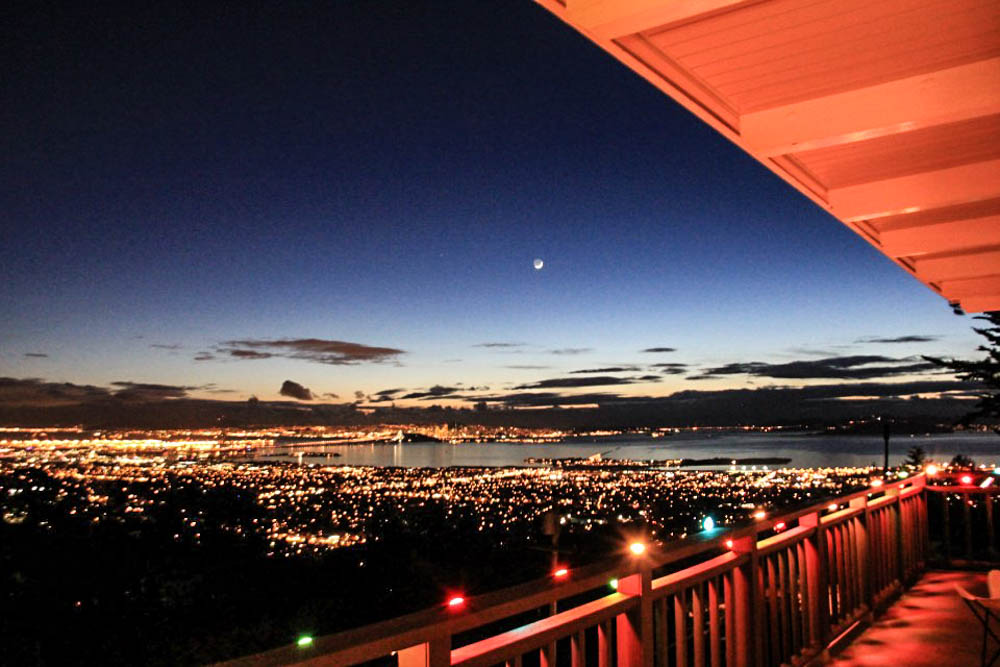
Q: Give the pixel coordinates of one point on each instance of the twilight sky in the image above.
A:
(350, 196)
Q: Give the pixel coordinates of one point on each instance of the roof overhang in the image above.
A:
(886, 114)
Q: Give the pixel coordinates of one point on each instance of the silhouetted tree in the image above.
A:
(915, 457)
(962, 461)
(986, 371)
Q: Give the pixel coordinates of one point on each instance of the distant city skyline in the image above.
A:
(346, 204)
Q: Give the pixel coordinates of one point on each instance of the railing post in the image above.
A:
(748, 602)
(897, 538)
(635, 627)
(864, 554)
(967, 524)
(991, 545)
(946, 526)
(433, 653)
(819, 604)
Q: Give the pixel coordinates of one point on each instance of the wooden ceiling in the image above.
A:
(885, 113)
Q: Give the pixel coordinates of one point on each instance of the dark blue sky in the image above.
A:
(180, 181)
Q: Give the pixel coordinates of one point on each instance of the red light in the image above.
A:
(779, 526)
(966, 479)
(561, 572)
(456, 601)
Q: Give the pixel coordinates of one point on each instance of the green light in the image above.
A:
(708, 524)
(304, 640)
(614, 584)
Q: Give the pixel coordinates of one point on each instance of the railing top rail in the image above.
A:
(381, 638)
(500, 647)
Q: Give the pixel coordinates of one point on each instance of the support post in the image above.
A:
(747, 600)
(635, 627)
(433, 653)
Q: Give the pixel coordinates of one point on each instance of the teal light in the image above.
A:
(708, 523)
(304, 640)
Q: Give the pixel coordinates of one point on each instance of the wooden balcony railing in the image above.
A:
(782, 590)
(962, 521)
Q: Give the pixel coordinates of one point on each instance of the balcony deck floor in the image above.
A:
(929, 625)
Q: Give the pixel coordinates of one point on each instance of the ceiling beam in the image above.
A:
(980, 304)
(610, 19)
(946, 96)
(958, 266)
(942, 237)
(907, 194)
(971, 287)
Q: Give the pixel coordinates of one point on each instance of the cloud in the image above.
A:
(856, 367)
(674, 368)
(912, 338)
(165, 346)
(526, 367)
(437, 391)
(660, 349)
(331, 352)
(204, 356)
(610, 369)
(36, 355)
(389, 392)
(499, 345)
(729, 406)
(140, 391)
(295, 390)
(571, 350)
(331, 395)
(249, 354)
(37, 392)
(599, 381)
